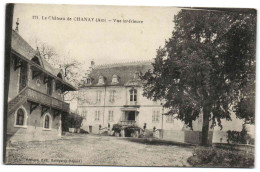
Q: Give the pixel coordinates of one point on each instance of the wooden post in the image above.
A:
(162, 123)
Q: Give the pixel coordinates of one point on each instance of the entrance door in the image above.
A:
(131, 116)
(90, 129)
(23, 76)
(49, 87)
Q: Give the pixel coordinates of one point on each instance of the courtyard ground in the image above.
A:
(98, 150)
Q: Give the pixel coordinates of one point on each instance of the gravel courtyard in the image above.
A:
(97, 150)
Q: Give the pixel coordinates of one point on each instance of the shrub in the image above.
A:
(117, 128)
(71, 120)
(83, 131)
(239, 137)
(214, 157)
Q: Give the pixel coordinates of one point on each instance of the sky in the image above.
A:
(104, 42)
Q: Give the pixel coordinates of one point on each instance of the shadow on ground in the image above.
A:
(154, 141)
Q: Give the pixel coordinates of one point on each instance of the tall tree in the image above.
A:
(47, 52)
(69, 65)
(205, 66)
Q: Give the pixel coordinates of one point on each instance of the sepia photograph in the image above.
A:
(132, 86)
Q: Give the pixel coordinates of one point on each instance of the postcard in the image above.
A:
(129, 86)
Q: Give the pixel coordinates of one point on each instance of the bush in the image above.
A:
(83, 131)
(239, 137)
(214, 157)
(117, 128)
(71, 120)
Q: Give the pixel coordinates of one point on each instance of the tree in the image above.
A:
(205, 66)
(69, 65)
(71, 120)
(47, 52)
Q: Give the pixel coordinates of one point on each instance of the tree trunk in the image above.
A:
(205, 127)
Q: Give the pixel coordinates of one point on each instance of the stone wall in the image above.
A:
(33, 128)
(14, 80)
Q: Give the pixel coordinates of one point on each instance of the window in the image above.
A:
(169, 119)
(49, 87)
(38, 82)
(115, 79)
(133, 95)
(36, 60)
(112, 96)
(47, 121)
(98, 98)
(88, 81)
(97, 115)
(137, 75)
(156, 116)
(110, 116)
(59, 75)
(84, 114)
(59, 91)
(101, 80)
(20, 117)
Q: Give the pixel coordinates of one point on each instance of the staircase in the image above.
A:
(17, 101)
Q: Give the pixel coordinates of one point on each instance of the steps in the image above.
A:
(17, 101)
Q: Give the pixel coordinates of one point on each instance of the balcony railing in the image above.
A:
(128, 122)
(44, 99)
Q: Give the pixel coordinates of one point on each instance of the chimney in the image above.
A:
(17, 24)
(92, 65)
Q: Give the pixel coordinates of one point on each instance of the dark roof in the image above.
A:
(125, 72)
(20, 46)
(23, 48)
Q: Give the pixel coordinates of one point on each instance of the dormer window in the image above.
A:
(101, 80)
(115, 79)
(137, 75)
(59, 75)
(36, 60)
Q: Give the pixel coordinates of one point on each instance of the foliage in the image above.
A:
(245, 108)
(46, 51)
(205, 66)
(129, 130)
(213, 157)
(71, 120)
(73, 71)
(238, 137)
(117, 128)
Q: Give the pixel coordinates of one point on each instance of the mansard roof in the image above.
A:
(125, 72)
(25, 51)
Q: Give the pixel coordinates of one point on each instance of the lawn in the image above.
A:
(98, 150)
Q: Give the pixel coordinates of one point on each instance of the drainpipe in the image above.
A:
(162, 121)
(104, 107)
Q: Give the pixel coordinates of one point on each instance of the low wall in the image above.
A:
(220, 137)
(33, 134)
(193, 137)
(240, 147)
(172, 135)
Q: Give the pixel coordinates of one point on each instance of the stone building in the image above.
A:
(35, 97)
(112, 94)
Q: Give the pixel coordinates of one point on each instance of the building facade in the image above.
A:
(113, 94)
(35, 97)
